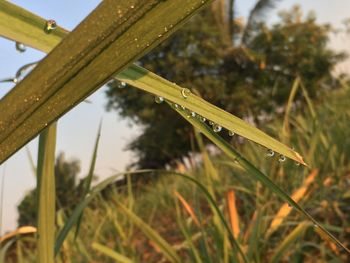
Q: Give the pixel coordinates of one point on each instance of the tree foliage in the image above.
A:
(249, 75)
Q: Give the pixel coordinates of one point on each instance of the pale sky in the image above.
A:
(77, 129)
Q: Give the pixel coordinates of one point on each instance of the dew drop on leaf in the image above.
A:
(158, 99)
(217, 128)
(282, 158)
(270, 153)
(50, 25)
(202, 119)
(185, 93)
(20, 47)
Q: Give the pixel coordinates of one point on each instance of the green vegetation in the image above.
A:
(245, 203)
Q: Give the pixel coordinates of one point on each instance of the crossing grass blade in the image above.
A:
(114, 35)
(254, 172)
(133, 75)
(47, 194)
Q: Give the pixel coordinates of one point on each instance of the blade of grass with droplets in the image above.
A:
(47, 194)
(138, 77)
(111, 253)
(88, 180)
(150, 82)
(253, 171)
(99, 47)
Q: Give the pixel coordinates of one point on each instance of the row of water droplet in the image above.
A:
(185, 93)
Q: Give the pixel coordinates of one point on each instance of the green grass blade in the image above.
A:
(46, 212)
(150, 82)
(286, 129)
(88, 180)
(254, 172)
(31, 161)
(288, 241)
(111, 253)
(99, 47)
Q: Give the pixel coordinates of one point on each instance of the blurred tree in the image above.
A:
(68, 192)
(247, 69)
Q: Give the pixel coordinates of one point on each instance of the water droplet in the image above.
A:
(185, 93)
(50, 25)
(202, 119)
(270, 153)
(15, 80)
(159, 100)
(165, 29)
(135, 39)
(20, 47)
(297, 163)
(122, 85)
(231, 133)
(217, 128)
(315, 226)
(193, 114)
(132, 7)
(282, 158)
(176, 106)
(211, 123)
(183, 107)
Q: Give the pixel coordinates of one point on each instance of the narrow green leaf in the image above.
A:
(292, 94)
(150, 82)
(31, 161)
(114, 35)
(88, 180)
(254, 172)
(46, 186)
(111, 253)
